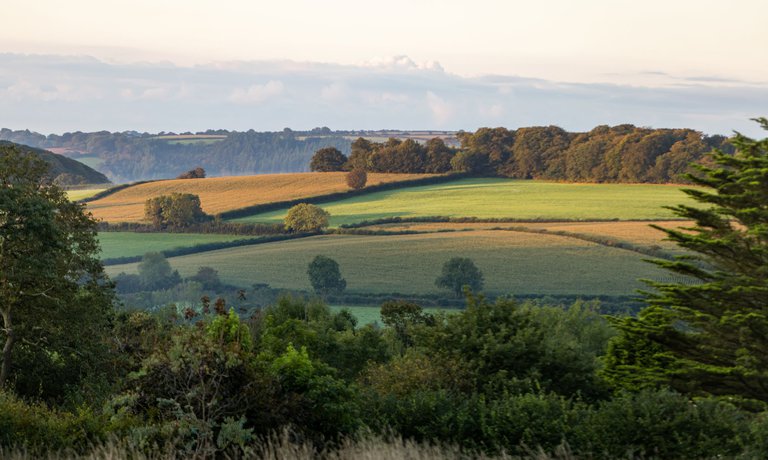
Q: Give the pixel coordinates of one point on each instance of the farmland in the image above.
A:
(513, 262)
(126, 244)
(227, 193)
(638, 233)
(505, 198)
(75, 195)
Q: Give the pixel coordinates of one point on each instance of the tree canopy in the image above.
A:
(325, 276)
(305, 217)
(51, 280)
(327, 159)
(459, 272)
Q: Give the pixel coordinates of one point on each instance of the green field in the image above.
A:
(367, 314)
(75, 195)
(126, 244)
(513, 262)
(505, 198)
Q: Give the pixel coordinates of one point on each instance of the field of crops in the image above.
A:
(506, 198)
(75, 195)
(513, 262)
(220, 194)
(126, 244)
(634, 232)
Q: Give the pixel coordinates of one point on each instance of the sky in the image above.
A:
(192, 65)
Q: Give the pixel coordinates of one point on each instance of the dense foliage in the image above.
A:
(621, 153)
(460, 273)
(51, 283)
(305, 217)
(325, 276)
(176, 210)
(710, 338)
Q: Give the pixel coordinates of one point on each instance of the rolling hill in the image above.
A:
(63, 170)
(219, 194)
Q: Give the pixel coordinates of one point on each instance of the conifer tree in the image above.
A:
(709, 337)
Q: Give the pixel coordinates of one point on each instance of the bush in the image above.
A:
(40, 429)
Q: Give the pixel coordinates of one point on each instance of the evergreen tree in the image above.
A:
(709, 337)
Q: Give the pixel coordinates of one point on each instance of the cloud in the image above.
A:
(333, 92)
(256, 94)
(58, 94)
(442, 111)
(399, 63)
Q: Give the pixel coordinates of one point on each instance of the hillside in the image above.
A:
(512, 262)
(64, 171)
(504, 198)
(219, 194)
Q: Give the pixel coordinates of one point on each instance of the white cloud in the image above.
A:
(256, 94)
(492, 111)
(333, 92)
(442, 111)
(402, 62)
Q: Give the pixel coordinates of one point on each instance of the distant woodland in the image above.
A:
(623, 153)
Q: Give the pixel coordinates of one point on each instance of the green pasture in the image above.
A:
(75, 195)
(513, 263)
(368, 314)
(505, 198)
(126, 244)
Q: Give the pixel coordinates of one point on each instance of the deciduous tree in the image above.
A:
(305, 217)
(328, 159)
(459, 272)
(325, 276)
(51, 280)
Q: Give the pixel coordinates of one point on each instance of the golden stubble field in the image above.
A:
(220, 194)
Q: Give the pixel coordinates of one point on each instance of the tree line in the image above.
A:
(623, 153)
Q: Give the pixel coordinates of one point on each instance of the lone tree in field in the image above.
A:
(710, 337)
(197, 173)
(174, 210)
(459, 272)
(328, 159)
(357, 178)
(325, 276)
(305, 217)
(55, 300)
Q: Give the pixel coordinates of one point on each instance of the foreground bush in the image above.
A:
(36, 428)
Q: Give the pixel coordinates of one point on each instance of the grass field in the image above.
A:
(220, 194)
(75, 195)
(126, 244)
(634, 232)
(505, 198)
(513, 262)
